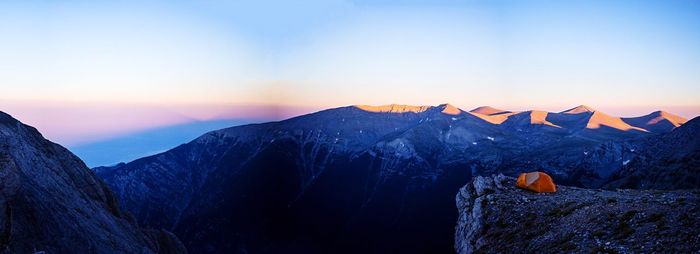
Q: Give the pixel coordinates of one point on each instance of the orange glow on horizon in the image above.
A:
(76, 122)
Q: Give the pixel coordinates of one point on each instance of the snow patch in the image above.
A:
(491, 138)
(625, 162)
(454, 119)
(400, 147)
(473, 143)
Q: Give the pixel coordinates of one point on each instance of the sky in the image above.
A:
(84, 71)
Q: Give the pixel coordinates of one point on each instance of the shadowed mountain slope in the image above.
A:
(50, 201)
(667, 161)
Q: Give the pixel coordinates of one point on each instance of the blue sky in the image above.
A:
(623, 57)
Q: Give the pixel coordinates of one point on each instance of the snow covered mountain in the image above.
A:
(359, 178)
(51, 202)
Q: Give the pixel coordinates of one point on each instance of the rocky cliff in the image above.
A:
(497, 217)
(50, 201)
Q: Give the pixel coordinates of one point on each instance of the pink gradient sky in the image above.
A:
(80, 123)
(81, 71)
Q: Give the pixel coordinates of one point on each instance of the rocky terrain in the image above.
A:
(497, 217)
(364, 178)
(51, 202)
(667, 161)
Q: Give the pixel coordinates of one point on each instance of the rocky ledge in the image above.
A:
(497, 217)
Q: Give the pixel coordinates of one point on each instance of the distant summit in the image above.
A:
(601, 120)
(532, 117)
(398, 108)
(393, 108)
(579, 109)
(487, 110)
(657, 122)
(450, 109)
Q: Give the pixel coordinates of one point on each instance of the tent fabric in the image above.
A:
(536, 181)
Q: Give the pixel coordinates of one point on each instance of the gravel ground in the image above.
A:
(497, 217)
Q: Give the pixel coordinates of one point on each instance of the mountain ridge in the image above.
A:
(488, 110)
(657, 121)
(596, 119)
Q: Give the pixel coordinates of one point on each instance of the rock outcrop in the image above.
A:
(50, 201)
(497, 217)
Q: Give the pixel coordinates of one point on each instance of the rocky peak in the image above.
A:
(446, 108)
(658, 121)
(658, 115)
(393, 108)
(50, 201)
(579, 109)
(470, 203)
(449, 109)
(599, 119)
(488, 110)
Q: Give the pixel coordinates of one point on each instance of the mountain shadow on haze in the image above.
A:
(132, 146)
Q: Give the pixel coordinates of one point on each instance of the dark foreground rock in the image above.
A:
(50, 201)
(496, 217)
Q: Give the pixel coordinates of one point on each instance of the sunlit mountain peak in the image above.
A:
(579, 109)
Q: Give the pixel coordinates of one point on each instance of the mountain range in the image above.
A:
(382, 179)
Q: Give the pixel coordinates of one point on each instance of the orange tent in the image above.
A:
(537, 182)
